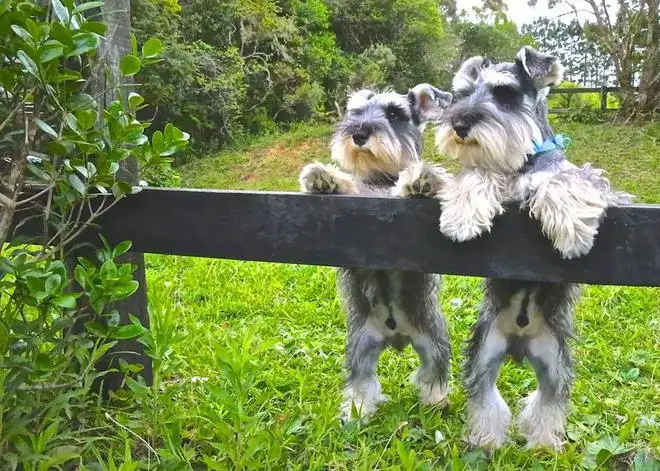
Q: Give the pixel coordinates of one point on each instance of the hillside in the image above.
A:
(631, 156)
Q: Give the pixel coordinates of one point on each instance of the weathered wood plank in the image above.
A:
(383, 233)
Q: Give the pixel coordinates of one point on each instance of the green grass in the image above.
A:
(268, 341)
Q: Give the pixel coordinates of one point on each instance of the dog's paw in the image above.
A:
(431, 393)
(460, 225)
(574, 232)
(574, 242)
(325, 179)
(570, 208)
(487, 426)
(421, 179)
(542, 424)
(361, 404)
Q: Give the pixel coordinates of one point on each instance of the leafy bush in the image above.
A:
(79, 156)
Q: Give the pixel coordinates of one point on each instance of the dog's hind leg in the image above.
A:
(488, 415)
(362, 389)
(434, 351)
(543, 418)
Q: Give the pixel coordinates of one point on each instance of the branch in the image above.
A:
(14, 183)
(36, 195)
(11, 114)
(7, 202)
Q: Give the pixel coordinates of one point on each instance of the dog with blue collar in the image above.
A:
(497, 127)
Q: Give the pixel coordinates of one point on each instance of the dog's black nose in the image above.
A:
(361, 137)
(462, 129)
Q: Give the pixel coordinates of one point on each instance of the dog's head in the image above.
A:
(382, 132)
(498, 110)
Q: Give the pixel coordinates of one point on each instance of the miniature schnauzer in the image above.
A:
(380, 137)
(497, 127)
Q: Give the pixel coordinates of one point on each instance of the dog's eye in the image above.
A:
(394, 113)
(505, 93)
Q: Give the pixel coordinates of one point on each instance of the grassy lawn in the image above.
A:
(252, 374)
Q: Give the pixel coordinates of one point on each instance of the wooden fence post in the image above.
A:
(117, 16)
(603, 98)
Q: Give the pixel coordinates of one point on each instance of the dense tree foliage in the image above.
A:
(628, 31)
(583, 59)
(235, 68)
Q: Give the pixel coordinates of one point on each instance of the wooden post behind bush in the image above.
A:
(117, 16)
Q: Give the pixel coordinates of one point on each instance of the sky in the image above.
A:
(521, 13)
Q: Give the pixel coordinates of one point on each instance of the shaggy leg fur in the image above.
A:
(326, 179)
(488, 415)
(570, 205)
(543, 418)
(421, 179)
(470, 202)
(362, 389)
(434, 351)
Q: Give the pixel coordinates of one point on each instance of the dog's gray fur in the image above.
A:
(380, 141)
(497, 113)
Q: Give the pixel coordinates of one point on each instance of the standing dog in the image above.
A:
(497, 127)
(380, 136)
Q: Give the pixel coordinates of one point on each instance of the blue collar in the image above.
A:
(558, 141)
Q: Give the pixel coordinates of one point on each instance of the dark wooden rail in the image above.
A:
(366, 232)
(382, 233)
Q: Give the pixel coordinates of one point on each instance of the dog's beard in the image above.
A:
(490, 144)
(379, 154)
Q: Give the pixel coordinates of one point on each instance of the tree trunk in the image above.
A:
(649, 85)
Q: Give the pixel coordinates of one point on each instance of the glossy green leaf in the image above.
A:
(28, 63)
(60, 11)
(53, 283)
(95, 27)
(77, 183)
(134, 100)
(83, 43)
(67, 301)
(72, 122)
(127, 331)
(51, 51)
(45, 127)
(129, 65)
(152, 48)
(22, 33)
(87, 6)
(96, 328)
(121, 248)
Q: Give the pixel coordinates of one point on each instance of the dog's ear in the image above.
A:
(544, 69)
(428, 101)
(468, 72)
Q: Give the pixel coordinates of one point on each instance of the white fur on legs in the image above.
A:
(569, 207)
(470, 202)
(542, 422)
(420, 179)
(328, 179)
(366, 396)
(431, 393)
(488, 421)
